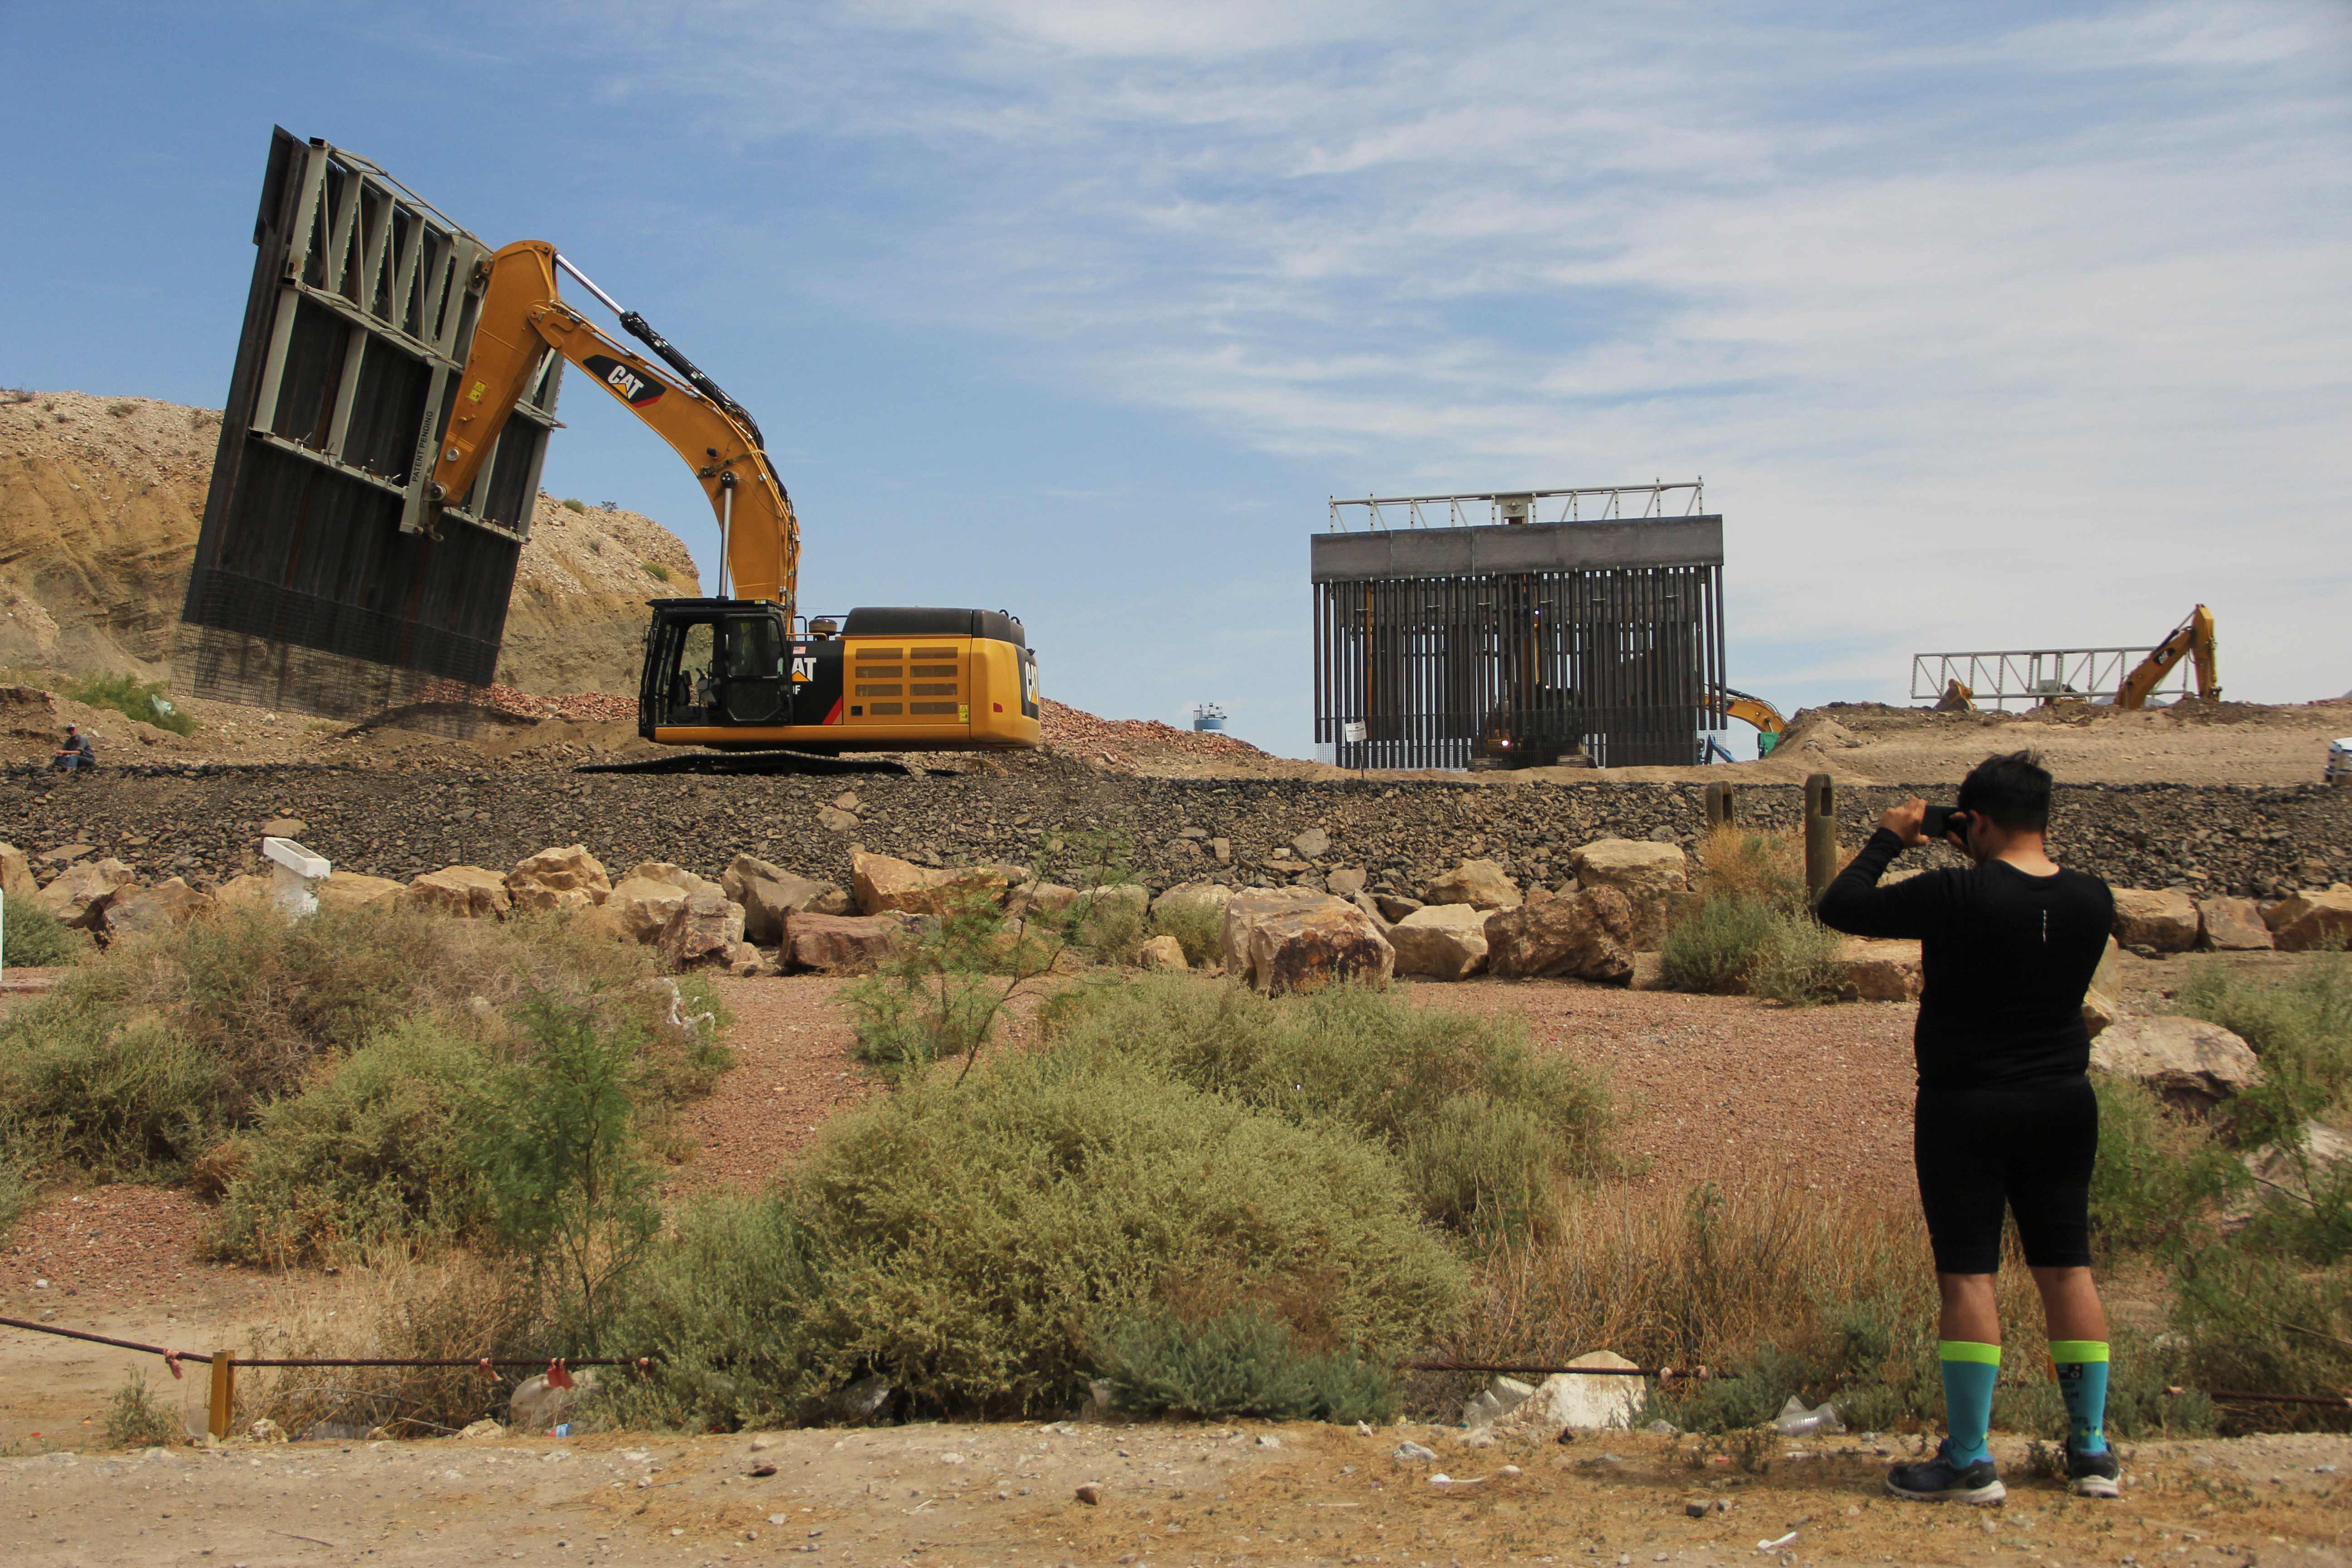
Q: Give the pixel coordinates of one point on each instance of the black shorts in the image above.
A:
(2028, 1149)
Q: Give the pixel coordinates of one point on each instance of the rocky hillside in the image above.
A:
(100, 503)
(577, 621)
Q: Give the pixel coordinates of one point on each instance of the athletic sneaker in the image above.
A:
(2092, 1474)
(1938, 1479)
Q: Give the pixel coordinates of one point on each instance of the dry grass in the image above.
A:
(388, 1303)
(1766, 865)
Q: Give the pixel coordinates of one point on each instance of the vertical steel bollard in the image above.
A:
(1821, 835)
(1719, 810)
(224, 1392)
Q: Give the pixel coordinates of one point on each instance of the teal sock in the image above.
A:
(2082, 1367)
(1969, 1370)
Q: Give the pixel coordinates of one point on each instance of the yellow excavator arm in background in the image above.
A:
(2193, 638)
(521, 319)
(1752, 710)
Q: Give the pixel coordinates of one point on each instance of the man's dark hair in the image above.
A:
(2011, 791)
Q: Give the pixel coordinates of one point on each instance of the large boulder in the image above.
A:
(1161, 952)
(1208, 898)
(841, 944)
(2162, 922)
(1312, 946)
(1647, 873)
(1871, 970)
(2312, 920)
(768, 893)
(1586, 934)
(336, 891)
(2234, 925)
(469, 892)
(1246, 908)
(2103, 1003)
(16, 879)
(643, 905)
(1565, 1400)
(705, 928)
(565, 878)
(1481, 884)
(677, 876)
(2191, 1063)
(142, 911)
(1445, 941)
(78, 895)
(883, 883)
(1041, 899)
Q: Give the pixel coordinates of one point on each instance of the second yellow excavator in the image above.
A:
(742, 670)
(2192, 639)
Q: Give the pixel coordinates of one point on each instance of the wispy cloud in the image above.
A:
(2062, 294)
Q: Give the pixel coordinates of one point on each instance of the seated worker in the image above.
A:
(2005, 1119)
(77, 753)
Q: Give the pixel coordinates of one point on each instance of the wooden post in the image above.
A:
(1821, 835)
(1719, 810)
(224, 1392)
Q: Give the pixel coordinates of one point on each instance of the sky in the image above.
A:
(1987, 326)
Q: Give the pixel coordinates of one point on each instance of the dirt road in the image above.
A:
(1167, 1493)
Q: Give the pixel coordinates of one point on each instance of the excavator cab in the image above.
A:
(728, 664)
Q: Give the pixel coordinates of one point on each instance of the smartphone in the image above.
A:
(1943, 819)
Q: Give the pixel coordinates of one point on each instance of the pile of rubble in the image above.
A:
(1129, 743)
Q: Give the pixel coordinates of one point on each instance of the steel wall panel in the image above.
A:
(1421, 661)
(318, 536)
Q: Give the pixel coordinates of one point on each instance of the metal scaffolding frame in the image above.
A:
(1609, 633)
(1596, 504)
(2030, 677)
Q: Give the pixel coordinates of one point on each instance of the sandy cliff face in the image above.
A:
(100, 503)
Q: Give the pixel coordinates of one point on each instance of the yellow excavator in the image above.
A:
(1749, 708)
(742, 670)
(2192, 639)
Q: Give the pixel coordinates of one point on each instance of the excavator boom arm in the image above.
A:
(2193, 638)
(522, 319)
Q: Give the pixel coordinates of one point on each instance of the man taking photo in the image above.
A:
(2005, 1119)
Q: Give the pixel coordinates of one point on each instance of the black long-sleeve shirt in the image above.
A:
(2005, 957)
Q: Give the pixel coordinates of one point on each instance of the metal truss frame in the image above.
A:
(1507, 507)
(2029, 677)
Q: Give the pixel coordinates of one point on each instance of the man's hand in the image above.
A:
(1907, 822)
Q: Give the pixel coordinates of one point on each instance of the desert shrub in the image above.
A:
(133, 698)
(2161, 1177)
(1799, 966)
(146, 1056)
(380, 1148)
(655, 569)
(572, 505)
(2301, 1026)
(1736, 943)
(32, 937)
(136, 1100)
(563, 1163)
(944, 991)
(1243, 1363)
(121, 410)
(970, 1232)
(1716, 948)
(1197, 928)
(2262, 1323)
(1484, 1126)
(723, 1302)
(1755, 865)
(135, 1420)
